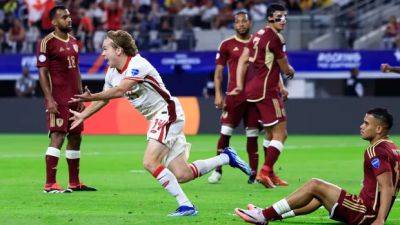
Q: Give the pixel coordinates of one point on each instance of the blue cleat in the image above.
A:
(184, 211)
(235, 161)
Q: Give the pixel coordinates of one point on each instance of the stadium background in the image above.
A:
(325, 40)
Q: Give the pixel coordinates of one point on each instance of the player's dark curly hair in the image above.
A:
(54, 10)
(383, 116)
(123, 40)
(273, 8)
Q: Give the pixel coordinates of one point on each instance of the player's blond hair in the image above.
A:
(123, 40)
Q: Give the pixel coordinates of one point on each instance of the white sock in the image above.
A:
(168, 180)
(281, 207)
(288, 214)
(53, 152)
(206, 165)
(266, 143)
(72, 154)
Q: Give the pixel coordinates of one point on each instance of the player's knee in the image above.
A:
(149, 165)
(183, 177)
(57, 139)
(315, 184)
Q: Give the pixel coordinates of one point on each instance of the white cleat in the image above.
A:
(214, 178)
(253, 215)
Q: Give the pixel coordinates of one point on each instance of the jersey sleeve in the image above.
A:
(138, 70)
(379, 162)
(222, 55)
(277, 47)
(42, 56)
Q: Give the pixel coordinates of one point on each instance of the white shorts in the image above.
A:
(169, 134)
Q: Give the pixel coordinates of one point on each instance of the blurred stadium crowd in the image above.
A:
(153, 22)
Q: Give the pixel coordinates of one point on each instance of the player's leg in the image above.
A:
(51, 161)
(72, 154)
(302, 201)
(152, 162)
(252, 151)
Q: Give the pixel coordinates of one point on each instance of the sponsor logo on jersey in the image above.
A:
(42, 58)
(135, 72)
(62, 49)
(76, 48)
(376, 163)
(59, 122)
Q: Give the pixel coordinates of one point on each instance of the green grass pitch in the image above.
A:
(129, 195)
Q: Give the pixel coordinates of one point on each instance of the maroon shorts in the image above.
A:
(351, 210)
(60, 122)
(236, 109)
(272, 111)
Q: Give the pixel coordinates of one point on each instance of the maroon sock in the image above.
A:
(51, 169)
(252, 151)
(223, 142)
(272, 156)
(73, 169)
(270, 214)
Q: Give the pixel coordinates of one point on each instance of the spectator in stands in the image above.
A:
(97, 14)
(166, 35)
(114, 12)
(293, 6)
(16, 36)
(86, 30)
(239, 7)
(155, 14)
(4, 47)
(190, 10)
(25, 85)
(98, 37)
(187, 41)
(224, 18)
(32, 36)
(306, 5)
(208, 13)
(354, 87)
(209, 89)
(391, 33)
(258, 10)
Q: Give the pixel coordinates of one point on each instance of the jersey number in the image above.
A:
(71, 62)
(255, 47)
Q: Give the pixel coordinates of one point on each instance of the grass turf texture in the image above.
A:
(129, 195)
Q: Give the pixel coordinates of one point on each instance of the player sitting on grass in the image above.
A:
(379, 191)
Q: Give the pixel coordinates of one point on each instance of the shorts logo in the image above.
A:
(59, 122)
(135, 72)
(42, 58)
(376, 163)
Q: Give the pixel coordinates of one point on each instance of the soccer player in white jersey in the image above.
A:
(134, 77)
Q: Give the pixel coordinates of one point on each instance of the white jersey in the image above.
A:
(149, 95)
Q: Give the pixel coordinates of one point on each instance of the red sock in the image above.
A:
(223, 142)
(51, 169)
(272, 156)
(73, 166)
(252, 151)
(270, 214)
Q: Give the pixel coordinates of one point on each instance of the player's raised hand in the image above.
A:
(77, 118)
(235, 91)
(51, 106)
(385, 67)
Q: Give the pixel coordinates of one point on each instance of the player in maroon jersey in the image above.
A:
(60, 80)
(235, 108)
(380, 186)
(265, 58)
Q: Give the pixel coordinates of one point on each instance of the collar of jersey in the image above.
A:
(126, 65)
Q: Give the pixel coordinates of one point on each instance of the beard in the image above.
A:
(65, 29)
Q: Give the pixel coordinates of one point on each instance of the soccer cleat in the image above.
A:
(278, 181)
(54, 189)
(252, 178)
(254, 216)
(215, 177)
(184, 210)
(235, 161)
(266, 181)
(81, 187)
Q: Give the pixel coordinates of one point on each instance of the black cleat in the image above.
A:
(81, 187)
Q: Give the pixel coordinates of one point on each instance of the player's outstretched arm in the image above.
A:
(79, 117)
(387, 192)
(386, 68)
(285, 67)
(241, 72)
(114, 92)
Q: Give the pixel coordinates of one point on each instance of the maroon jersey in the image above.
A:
(229, 53)
(380, 157)
(61, 58)
(266, 46)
